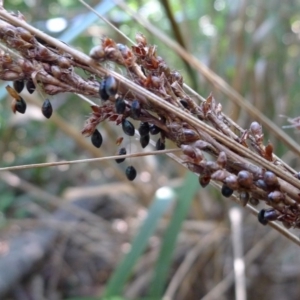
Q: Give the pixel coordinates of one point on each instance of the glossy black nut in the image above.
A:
(96, 139)
(120, 105)
(128, 127)
(144, 128)
(184, 103)
(30, 86)
(244, 198)
(144, 140)
(122, 151)
(111, 86)
(154, 129)
(130, 173)
(102, 90)
(261, 217)
(160, 145)
(21, 106)
(135, 109)
(270, 179)
(226, 191)
(19, 85)
(47, 109)
(271, 214)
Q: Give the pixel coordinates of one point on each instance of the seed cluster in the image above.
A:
(55, 72)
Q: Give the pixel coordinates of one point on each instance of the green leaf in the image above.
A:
(163, 199)
(185, 197)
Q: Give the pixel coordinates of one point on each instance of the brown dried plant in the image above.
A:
(237, 160)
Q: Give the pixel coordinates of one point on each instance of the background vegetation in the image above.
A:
(254, 46)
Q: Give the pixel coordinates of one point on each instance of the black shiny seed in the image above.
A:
(120, 105)
(111, 86)
(184, 103)
(154, 129)
(261, 217)
(30, 86)
(135, 109)
(160, 145)
(96, 139)
(128, 127)
(102, 91)
(144, 128)
(20, 106)
(19, 85)
(226, 191)
(130, 173)
(122, 151)
(47, 109)
(144, 140)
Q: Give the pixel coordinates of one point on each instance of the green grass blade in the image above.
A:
(163, 198)
(185, 197)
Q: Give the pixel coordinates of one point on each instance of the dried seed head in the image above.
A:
(245, 179)
(141, 39)
(261, 184)
(30, 86)
(135, 109)
(204, 180)
(244, 198)
(120, 105)
(192, 152)
(222, 159)
(254, 201)
(96, 139)
(102, 91)
(219, 175)
(232, 182)
(160, 145)
(111, 86)
(18, 85)
(47, 109)
(63, 62)
(286, 224)
(128, 127)
(256, 129)
(226, 191)
(144, 128)
(154, 129)
(144, 140)
(97, 53)
(122, 151)
(270, 179)
(276, 196)
(130, 173)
